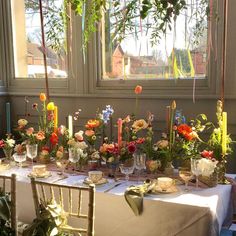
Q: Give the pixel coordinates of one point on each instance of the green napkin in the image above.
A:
(134, 196)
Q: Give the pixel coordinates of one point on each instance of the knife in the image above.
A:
(113, 186)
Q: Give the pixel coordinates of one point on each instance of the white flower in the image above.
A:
(81, 145)
(10, 142)
(79, 135)
(207, 166)
(95, 155)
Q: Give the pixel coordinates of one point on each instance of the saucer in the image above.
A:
(89, 181)
(46, 174)
(172, 189)
(4, 166)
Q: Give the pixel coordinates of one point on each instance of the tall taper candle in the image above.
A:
(70, 125)
(224, 133)
(8, 117)
(119, 133)
(55, 114)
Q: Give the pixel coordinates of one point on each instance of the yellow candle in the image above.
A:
(70, 125)
(55, 113)
(224, 133)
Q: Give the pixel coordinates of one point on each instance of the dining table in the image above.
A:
(199, 212)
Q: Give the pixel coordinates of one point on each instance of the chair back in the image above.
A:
(77, 202)
(8, 185)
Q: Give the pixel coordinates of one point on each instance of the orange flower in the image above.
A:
(92, 124)
(42, 97)
(138, 89)
(40, 135)
(89, 133)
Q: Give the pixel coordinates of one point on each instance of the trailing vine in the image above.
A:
(155, 16)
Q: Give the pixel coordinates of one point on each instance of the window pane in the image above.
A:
(27, 37)
(180, 53)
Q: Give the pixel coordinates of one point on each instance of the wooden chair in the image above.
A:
(70, 199)
(8, 185)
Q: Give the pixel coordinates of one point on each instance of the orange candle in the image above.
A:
(55, 113)
(119, 123)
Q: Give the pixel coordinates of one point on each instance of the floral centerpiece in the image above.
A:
(48, 137)
(220, 142)
(7, 145)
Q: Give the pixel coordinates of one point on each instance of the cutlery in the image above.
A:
(113, 186)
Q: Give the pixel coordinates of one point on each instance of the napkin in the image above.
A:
(134, 196)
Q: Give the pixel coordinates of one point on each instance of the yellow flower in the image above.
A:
(22, 122)
(139, 124)
(50, 106)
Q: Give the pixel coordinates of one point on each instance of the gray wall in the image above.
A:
(84, 90)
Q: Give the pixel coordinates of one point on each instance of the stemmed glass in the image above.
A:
(127, 168)
(19, 158)
(32, 151)
(185, 174)
(195, 168)
(140, 163)
(62, 164)
(74, 155)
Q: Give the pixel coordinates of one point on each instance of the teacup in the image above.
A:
(39, 170)
(165, 183)
(95, 175)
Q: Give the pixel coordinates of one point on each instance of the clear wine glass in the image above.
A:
(195, 168)
(127, 168)
(32, 152)
(140, 163)
(62, 164)
(19, 158)
(185, 174)
(74, 155)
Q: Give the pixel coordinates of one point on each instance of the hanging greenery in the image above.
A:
(155, 16)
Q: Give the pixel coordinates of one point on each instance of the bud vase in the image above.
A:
(8, 154)
(169, 169)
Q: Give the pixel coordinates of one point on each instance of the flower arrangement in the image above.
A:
(7, 145)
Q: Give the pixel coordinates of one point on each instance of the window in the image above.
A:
(27, 39)
(180, 53)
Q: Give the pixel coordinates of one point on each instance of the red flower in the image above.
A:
(138, 89)
(140, 140)
(54, 139)
(207, 154)
(131, 148)
(45, 148)
(183, 129)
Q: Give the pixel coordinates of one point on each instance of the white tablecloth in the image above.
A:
(195, 213)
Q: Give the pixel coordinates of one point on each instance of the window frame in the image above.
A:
(35, 85)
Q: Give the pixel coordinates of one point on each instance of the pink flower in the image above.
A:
(40, 135)
(2, 144)
(30, 131)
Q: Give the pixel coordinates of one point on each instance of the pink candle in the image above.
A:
(119, 123)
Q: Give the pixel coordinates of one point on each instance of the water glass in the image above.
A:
(127, 168)
(195, 168)
(140, 163)
(186, 175)
(32, 151)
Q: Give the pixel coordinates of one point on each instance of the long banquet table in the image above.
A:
(200, 213)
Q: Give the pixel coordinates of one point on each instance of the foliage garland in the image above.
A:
(160, 14)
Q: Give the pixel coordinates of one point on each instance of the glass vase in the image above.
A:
(8, 154)
(221, 170)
